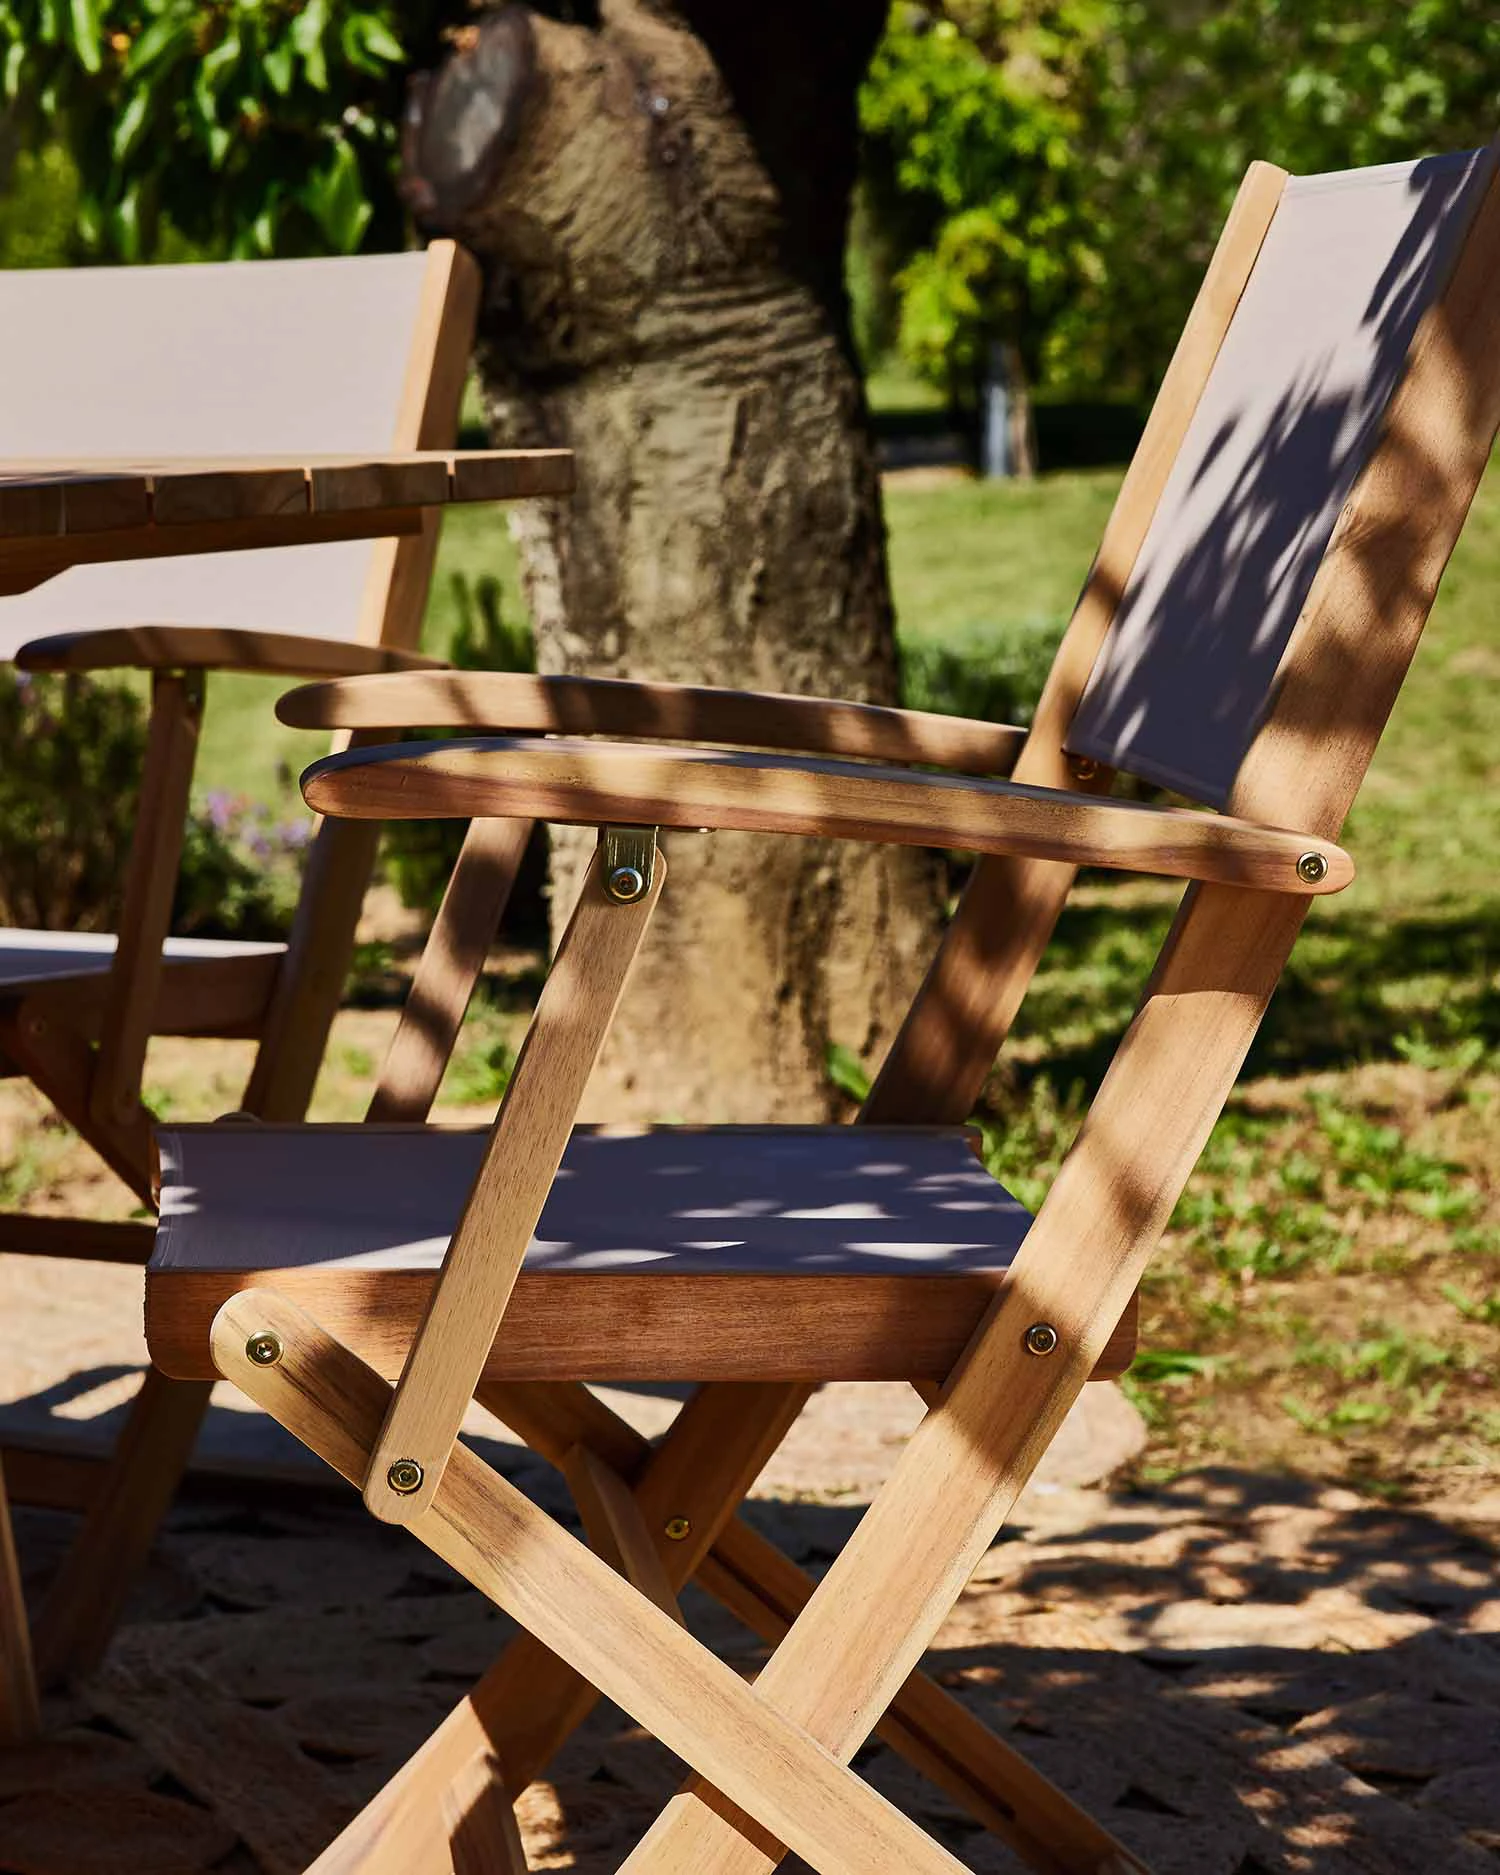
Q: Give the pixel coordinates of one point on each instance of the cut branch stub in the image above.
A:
(464, 119)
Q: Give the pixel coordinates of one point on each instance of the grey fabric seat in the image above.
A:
(28, 959)
(689, 1228)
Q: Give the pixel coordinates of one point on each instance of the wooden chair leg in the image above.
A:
(20, 1720)
(576, 1604)
(483, 1834)
(529, 1702)
(135, 1493)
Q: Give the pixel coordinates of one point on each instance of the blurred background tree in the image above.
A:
(1054, 172)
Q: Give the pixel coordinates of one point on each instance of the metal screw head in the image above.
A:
(264, 1349)
(677, 1528)
(404, 1477)
(1082, 767)
(625, 884)
(1041, 1338)
(1312, 868)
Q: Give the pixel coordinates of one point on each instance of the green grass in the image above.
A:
(245, 751)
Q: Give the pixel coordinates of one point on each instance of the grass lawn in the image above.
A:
(1329, 1295)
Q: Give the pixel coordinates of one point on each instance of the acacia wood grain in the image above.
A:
(593, 782)
(507, 700)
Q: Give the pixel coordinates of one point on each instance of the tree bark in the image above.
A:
(659, 204)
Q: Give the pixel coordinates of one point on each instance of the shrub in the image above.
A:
(69, 784)
(241, 870)
(69, 791)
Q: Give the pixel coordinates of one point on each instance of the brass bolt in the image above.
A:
(1312, 868)
(264, 1349)
(1083, 767)
(625, 884)
(404, 1477)
(1041, 1338)
(677, 1528)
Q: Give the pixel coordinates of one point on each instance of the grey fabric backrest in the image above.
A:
(1287, 420)
(238, 358)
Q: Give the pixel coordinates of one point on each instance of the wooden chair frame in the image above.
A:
(83, 1041)
(770, 1762)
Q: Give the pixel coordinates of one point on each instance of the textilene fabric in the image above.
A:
(1286, 422)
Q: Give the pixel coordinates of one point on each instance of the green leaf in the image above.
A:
(85, 31)
(129, 126)
(844, 1068)
(15, 65)
(125, 225)
(279, 65)
(335, 196)
(306, 35)
(170, 33)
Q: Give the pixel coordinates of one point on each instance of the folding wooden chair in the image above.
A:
(1243, 635)
(265, 359)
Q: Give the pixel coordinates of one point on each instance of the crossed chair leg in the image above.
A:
(658, 1516)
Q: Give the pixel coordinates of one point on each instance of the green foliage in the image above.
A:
(241, 870)
(974, 113)
(68, 789)
(250, 127)
(39, 209)
(1056, 171)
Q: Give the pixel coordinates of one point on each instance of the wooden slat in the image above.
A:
(605, 1326)
(515, 1554)
(182, 498)
(526, 1145)
(150, 885)
(89, 1590)
(530, 1701)
(595, 782)
(41, 495)
(616, 1529)
(452, 958)
(395, 596)
(209, 647)
(974, 987)
(85, 1239)
(25, 563)
(507, 700)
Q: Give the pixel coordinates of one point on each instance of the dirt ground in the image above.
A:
(1240, 1675)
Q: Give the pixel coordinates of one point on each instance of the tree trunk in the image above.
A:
(661, 225)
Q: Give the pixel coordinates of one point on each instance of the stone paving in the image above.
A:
(1241, 1675)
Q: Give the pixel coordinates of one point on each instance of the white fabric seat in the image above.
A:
(28, 959)
(656, 1248)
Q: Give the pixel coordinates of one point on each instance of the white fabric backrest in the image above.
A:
(1287, 420)
(221, 359)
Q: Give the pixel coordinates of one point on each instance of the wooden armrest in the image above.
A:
(207, 647)
(598, 782)
(499, 701)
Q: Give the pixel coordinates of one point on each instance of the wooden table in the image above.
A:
(57, 514)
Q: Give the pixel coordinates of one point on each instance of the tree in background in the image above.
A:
(1056, 171)
(659, 198)
(980, 121)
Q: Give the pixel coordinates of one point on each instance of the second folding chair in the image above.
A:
(260, 358)
(1261, 588)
